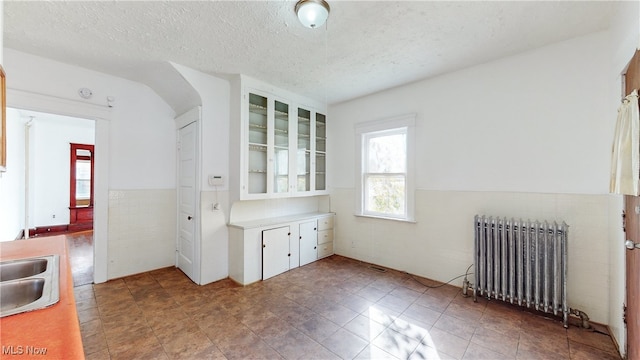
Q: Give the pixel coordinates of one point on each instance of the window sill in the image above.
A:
(410, 221)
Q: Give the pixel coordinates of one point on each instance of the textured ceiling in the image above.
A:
(365, 46)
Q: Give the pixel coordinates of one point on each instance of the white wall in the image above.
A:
(51, 136)
(12, 181)
(249, 210)
(1, 32)
(138, 136)
(214, 155)
(540, 113)
(526, 136)
(217, 151)
(10, 222)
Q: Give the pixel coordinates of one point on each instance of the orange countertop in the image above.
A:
(50, 333)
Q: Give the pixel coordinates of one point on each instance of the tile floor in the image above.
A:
(331, 309)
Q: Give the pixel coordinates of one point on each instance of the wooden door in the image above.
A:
(632, 226)
(632, 209)
(81, 187)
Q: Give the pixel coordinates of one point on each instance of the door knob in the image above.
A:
(189, 218)
(629, 244)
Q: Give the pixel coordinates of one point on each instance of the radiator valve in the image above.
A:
(583, 317)
(465, 287)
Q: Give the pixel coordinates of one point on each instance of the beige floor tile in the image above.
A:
(94, 343)
(422, 313)
(374, 352)
(412, 327)
(594, 339)
(437, 303)
(496, 341)
(100, 355)
(331, 309)
(365, 327)
(395, 343)
(318, 328)
(585, 352)
(446, 343)
(460, 327)
(88, 315)
(478, 352)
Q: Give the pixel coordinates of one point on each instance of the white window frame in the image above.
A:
(371, 129)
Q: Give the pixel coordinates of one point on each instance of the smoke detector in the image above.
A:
(85, 93)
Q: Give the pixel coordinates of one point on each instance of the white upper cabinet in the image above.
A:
(320, 151)
(257, 145)
(311, 152)
(278, 143)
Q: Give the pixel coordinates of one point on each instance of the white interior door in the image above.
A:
(275, 251)
(186, 251)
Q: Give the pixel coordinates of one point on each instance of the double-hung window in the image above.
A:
(386, 168)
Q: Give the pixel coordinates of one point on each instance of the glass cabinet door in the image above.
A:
(304, 151)
(281, 148)
(284, 148)
(257, 161)
(321, 151)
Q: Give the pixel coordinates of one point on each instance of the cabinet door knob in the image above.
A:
(629, 244)
(314, 247)
(264, 245)
(189, 217)
(300, 238)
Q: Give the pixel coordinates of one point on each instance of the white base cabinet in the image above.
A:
(264, 248)
(325, 236)
(308, 242)
(275, 251)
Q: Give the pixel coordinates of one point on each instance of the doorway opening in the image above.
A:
(58, 158)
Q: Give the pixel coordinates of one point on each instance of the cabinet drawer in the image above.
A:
(325, 250)
(325, 223)
(325, 236)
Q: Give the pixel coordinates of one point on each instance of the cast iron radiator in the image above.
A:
(523, 263)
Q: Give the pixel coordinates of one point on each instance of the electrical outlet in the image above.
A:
(53, 216)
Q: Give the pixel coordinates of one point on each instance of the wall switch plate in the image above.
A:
(216, 180)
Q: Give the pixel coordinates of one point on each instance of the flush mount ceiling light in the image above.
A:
(312, 13)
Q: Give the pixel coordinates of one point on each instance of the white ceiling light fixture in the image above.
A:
(312, 13)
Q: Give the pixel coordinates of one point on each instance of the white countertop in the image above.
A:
(277, 220)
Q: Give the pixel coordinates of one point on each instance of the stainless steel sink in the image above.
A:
(17, 269)
(15, 294)
(29, 284)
